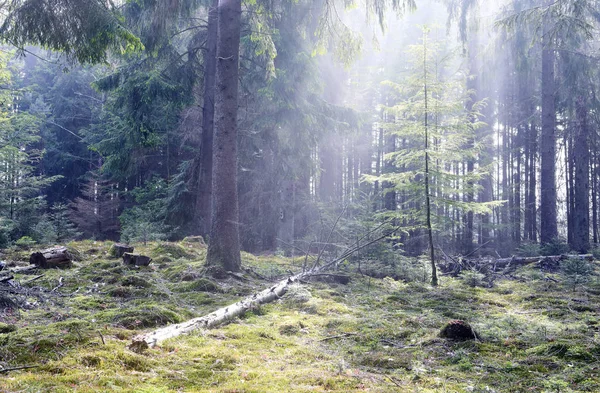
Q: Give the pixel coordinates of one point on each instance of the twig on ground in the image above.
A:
(6, 370)
(33, 279)
(338, 336)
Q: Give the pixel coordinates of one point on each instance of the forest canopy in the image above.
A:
(480, 136)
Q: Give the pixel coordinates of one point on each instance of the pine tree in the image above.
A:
(437, 138)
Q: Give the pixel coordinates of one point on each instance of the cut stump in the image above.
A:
(117, 250)
(136, 259)
(55, 257)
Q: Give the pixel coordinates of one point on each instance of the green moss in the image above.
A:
(6, 328)
(146, 316)
(201, 284)
(173, 250)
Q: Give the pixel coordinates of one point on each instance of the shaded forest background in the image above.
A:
(344, 111)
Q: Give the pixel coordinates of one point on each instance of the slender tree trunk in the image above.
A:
(204, 196)
(549, 227)
(224, 244)
(389, 195)
(434, 278)
(581, 150)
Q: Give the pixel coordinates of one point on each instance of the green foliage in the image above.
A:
(85, 30)
(435, 133)
(576, 271)
(25, 243)
(529, 250)
(64, 229)
(473, 278)
(145, 221)
(555, 247)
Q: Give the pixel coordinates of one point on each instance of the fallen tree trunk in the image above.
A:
(55, 257)
(222, 315)
(143, 341)
(486, 265)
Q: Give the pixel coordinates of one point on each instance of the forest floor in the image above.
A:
(537, 334)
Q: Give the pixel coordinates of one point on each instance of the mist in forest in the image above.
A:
(458, 125)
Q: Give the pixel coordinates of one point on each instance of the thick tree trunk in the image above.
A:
(549, 228)
(204, 196)
(224, 242)
(581, 222)
(55, 257)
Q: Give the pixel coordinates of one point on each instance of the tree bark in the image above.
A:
(581, 160)
(204, 196)
(55, 257)
(224, 242)
(549, 228)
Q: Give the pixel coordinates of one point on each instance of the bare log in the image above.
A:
(454, 266)
(55, 257)
(143, 341)
(136, 259)
(224, 314)
(118, 249)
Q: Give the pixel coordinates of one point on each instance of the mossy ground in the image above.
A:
(376, 335)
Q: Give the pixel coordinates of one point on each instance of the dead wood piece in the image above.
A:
(143, 341)
(343, 335)
(7, 278)
(224, 314)
(118, 249)
(506, 265)
(24, 269)
(136, 259)
(55, 257)
(6, 370)
(33, 279)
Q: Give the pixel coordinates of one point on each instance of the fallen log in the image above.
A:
(143, 341)
(485, 265)
(55, 257)
(222, 315)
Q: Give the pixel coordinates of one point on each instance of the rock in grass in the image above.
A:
(459, 331)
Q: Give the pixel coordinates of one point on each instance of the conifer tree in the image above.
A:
(436, 133)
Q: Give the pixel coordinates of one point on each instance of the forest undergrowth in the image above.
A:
(538, 332)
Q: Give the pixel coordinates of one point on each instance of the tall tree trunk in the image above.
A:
(549, 227)
(581, 222)
(389, 195)
(204, 196)
(224, 243)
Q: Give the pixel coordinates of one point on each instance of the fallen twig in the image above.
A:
(33, 279)
(338, 336)
(6, 370)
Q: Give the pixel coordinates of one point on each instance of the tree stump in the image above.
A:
(55, 257)
(136, 259)
(459, 330)
(117, 250)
